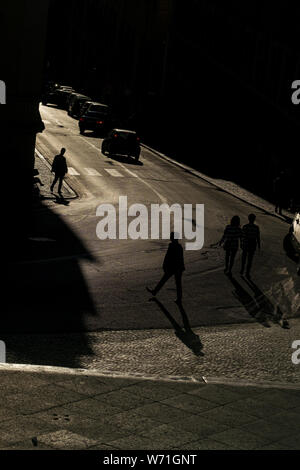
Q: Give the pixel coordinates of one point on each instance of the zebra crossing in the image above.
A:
(106, 171)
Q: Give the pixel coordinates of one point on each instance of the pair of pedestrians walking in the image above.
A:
(248, 238)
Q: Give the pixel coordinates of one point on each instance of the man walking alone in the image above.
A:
(60, 169)
(250, 241)
(173, 266)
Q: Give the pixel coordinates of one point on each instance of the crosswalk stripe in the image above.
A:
(92, 172)
(72, 171)
(114, 173)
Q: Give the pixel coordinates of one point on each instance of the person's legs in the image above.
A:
(250, 261)
(54, 182)
(227, 256)
(232, 258)
(61, 178)
(178, 276)
(244, 259)
(162, 282)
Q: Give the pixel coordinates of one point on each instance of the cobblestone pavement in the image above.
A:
(69, 410)
(248, 351)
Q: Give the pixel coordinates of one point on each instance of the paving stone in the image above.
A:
(207, 444)
(131, 422)
(286, 418)
(280, 398)
(254, 407)
(199, 426)
(84, 385)
(152, 390)
(274, 446)
(228, 416)
(97, 428)
(240, 439)
(167, 436)
(190, 403)
(65, 439)
(22, 427)
(88, 407)
(162, 412)
(27, 445)
(291, 442)
(133, 442)
(122, 399)
(216, 394)
(268, 429)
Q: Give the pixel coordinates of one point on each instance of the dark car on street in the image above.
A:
(56, 94)
(122, 142)
(75, 102)
(95, 117)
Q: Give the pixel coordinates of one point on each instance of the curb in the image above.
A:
(205, 178)
(65, 184)
(201, 380)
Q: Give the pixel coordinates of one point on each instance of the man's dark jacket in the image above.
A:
(174, 261)
(59, 165)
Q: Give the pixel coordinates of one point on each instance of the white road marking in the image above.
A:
(163, 199)
(92, 172)
(114, 173)
(73, 172)
(131, 173)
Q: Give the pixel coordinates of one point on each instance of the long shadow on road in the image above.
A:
(185, 334)
(258, 305)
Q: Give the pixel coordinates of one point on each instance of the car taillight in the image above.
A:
(115, 135)
(81, 119)
(99, 122)
(138, 139)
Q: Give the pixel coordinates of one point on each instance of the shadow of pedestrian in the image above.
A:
(61, 200)
(250, 303)
(273, 313)
(185, 334)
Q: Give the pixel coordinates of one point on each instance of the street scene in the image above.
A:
(151, 291)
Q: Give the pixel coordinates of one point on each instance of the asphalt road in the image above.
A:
(81, 302)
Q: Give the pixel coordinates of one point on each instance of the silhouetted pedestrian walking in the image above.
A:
(230, 241)
(60, 169)
(250, 241)
(173, 266)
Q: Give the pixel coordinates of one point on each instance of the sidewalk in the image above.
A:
(68, 409)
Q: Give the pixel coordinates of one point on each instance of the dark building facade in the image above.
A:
(22, 33)
(207, 81)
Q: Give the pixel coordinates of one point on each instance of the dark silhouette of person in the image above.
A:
(279, 190)
(230, 241)
(250, 241)
(173, 265)
(60, 169)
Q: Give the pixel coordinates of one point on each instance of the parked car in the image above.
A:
(95, 117)
(75, 102)
(295, 232)
(55, 94)
(122, 142)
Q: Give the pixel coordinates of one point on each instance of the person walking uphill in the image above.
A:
(60, 169)
(250, 241)
(173, 266)
(230, 241)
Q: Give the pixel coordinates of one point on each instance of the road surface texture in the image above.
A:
(77, 301)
